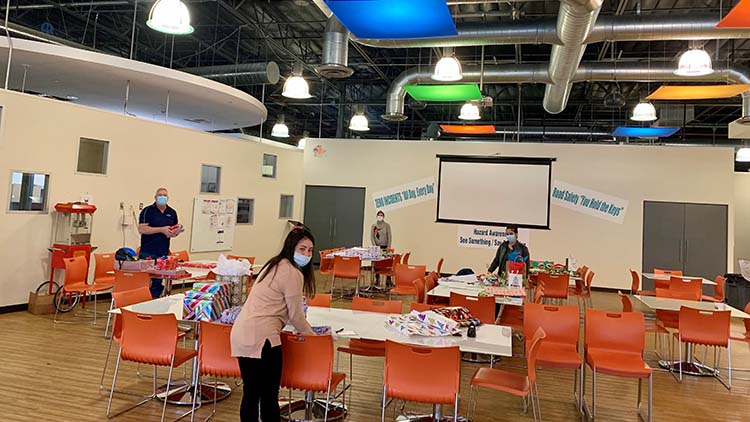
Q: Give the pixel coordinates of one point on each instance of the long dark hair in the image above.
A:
(287, 252)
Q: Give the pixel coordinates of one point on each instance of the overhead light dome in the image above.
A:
(644, 112)
(296, 87)
(743, 155)
(280, 129)
(448, 69)
(359, 121)
(694, 62)
(170, 17)
(469, 111)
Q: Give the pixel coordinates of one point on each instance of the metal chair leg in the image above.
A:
(106, 361)
(593, 393)
(382, 406)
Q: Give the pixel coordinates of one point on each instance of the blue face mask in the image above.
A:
(161, 200)
(510, 237)
(301, 260)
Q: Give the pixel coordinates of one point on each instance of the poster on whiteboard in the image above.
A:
(213, 224)
(486, 237)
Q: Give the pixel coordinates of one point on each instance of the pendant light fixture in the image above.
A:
(170, 17)
(644, 111)
(280, 129)
(448, 68)
(469, 111)
(359, 121)
(694, 62)
(743, 155)
(295, 85)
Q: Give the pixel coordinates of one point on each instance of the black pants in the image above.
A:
(261, 378)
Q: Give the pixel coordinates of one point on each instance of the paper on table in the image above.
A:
(493, 337)
(346, 333)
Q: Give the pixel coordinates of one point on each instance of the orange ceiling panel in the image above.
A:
(468, 129)
(738, 17)
(697, 92)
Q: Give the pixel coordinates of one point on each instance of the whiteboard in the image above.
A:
(495, 191)
(213, 224)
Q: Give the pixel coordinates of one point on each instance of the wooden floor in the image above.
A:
(51, 372)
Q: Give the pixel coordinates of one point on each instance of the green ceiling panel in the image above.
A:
(453, 92)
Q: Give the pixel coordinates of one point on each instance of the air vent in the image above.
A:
(198, 120)
(334, 71)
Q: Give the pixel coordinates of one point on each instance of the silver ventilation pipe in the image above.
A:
(520, 73)
(574, 22)
(542, 31)
(537, 73)
(241, 74)
(335, 59)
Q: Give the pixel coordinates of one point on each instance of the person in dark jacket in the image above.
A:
(510, 245)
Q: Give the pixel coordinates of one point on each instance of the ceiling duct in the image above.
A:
(242, 74)
(574, 22)
(676, 114)
(335, 59)
(537, 73)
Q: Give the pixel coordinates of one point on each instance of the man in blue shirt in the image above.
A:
(155, 225)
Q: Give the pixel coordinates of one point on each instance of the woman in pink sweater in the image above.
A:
(275, 300)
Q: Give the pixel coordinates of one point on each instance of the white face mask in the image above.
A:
(381, 218)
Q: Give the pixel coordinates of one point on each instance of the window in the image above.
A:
(245, 210)
(92, 156)
(28, 191)
(210, 178)
(286, 208)
(269, 165)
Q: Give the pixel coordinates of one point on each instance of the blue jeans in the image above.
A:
(156, 283)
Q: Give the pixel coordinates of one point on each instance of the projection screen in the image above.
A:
(494, 190)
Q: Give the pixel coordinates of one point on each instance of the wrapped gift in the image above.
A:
(429, 324)
(461, 315)
(206, 301)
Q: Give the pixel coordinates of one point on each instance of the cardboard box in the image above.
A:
(41, 304)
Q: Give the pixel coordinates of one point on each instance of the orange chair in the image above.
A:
(152, 340)
(555, 286)
(181, 255)
(384, 267)
(560, 347)
(707, 328)
(651, 327)
(423, 307)
(250, 259)
(613, 345)
(124, 281)
(439, 268)
(215, 357)
(430, 283)
(421, 374)
(74, 285)
(403, 278)
(406, 258)
(584, 294)
(326, 264)
(718, 290)
(636, 283)
(121, 299)
(511, 382)
(308, 366)
(686, 288)
(320, 300)
(663, 283)
(481, 307)
(346, 267)
(104, 265)
(670, 273)
(364, 347)
(419, 285)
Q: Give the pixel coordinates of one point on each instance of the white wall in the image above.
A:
(741, 218)
(635, 173)
(41, 135)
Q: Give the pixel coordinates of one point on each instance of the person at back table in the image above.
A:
(510, 245)
(381, 234)
(274, 301)
(156, 224)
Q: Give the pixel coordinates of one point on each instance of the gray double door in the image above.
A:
(335, 215)
(684, 236)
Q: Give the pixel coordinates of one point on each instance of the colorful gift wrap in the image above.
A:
(211, 288)
(206, 301)
(429, 324)
(202, 310)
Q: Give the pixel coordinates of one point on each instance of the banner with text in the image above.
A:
(486, 237)
(405, 195)
(587, 201)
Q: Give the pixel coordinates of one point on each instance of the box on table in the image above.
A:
(140, 265)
